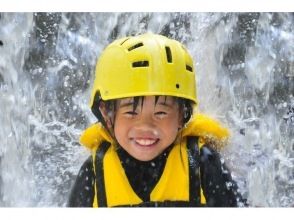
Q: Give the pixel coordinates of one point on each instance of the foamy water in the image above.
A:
(245, 77)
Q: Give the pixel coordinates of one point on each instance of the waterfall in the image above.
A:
(245, 79)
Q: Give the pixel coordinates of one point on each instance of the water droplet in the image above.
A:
(285, 104)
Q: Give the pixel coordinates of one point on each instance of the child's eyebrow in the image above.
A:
(126, 104)
(165, 104)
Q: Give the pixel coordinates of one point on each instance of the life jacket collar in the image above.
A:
(199, 125)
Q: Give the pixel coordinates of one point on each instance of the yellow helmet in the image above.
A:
(147, 64)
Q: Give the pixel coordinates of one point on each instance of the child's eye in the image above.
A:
(131, 113)
(160, 114)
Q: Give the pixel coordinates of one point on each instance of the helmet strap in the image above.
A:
(96, 110)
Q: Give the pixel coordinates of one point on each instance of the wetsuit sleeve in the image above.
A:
(82, 193)
(216, 181)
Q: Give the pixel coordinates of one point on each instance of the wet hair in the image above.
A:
(185, 106)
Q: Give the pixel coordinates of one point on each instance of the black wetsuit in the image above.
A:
(218, 187)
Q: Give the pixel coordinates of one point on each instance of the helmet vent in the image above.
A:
(168, 55)
(141, 63)
(135, 46)
(189, 68)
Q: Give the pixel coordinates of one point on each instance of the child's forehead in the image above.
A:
(126, 100)
(160, 99)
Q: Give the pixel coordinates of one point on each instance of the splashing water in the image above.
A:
(244, 60)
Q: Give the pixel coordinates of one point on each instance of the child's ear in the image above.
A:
(180, 120)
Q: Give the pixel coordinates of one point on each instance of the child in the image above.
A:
(149, 149)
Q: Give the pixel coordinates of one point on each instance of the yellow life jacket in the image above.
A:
(176, 184)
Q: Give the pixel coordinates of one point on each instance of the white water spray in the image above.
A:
(244, 66)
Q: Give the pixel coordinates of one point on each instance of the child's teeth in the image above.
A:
(145, 141)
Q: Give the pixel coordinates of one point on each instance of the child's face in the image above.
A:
(150, 129)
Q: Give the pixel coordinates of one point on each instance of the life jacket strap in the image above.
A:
(194, 170)
(100, 183)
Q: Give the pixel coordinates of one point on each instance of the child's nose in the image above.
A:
(146, 122)
(144, 129)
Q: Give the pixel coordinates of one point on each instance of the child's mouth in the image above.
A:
(146, 142)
